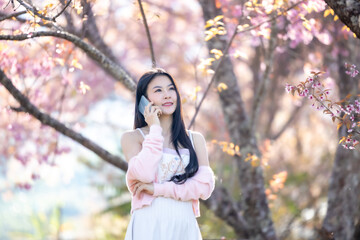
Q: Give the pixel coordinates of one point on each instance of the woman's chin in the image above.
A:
(167, 113)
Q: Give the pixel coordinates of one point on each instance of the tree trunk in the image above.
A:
(253, 206)
(348, 12)
(343, 213)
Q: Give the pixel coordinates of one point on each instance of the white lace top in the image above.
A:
(171, 164)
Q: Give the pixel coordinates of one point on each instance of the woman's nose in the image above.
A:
(167, 94)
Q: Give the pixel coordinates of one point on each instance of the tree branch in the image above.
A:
(15, 15)
(33, 9)
(26, 105)
(107, 64)
(63, 10)
(348, 12)
(148, 34)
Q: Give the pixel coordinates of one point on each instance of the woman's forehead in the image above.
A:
(161, 80)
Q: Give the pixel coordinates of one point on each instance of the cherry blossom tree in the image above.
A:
(56, 60)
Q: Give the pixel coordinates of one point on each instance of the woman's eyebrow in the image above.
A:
(160, 86)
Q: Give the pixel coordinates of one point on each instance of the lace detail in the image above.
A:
(171, 164)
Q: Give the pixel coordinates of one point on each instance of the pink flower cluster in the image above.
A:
(351, 70)
(348, 113)
(312, 89)
(350, 143)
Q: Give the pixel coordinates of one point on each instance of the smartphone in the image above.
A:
(143, 103)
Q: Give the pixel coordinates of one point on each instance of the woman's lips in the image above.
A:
(167, 104)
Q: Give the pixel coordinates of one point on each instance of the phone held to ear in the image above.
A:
(143, 103)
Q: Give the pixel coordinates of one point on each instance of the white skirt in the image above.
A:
(164, 219)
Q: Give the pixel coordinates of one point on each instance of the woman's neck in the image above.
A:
(165, 123)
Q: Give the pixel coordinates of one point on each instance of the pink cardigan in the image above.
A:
(143, 167)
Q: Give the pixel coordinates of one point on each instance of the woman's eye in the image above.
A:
(172, 88)
(158, 90)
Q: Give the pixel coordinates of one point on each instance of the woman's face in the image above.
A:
(162, 92)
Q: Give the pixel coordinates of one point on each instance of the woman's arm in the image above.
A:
(201, 185)
(143, 164)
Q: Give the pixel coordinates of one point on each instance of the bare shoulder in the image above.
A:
(131, 143)
(198, 137)
(200, 148)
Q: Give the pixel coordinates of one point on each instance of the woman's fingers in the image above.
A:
(152, 114)
(158, 112)
(148, 107)
(136, 186)
(139, 189)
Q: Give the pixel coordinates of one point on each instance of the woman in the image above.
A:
(168, 170)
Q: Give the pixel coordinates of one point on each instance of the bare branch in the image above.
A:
(287, 124)
(107, 64)
(63, 10)
(15, 15)
(58, 126)
(34, 11)
(148, 34)
(48, 24)
(18, 109)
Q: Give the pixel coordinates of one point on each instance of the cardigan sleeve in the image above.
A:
(200, 186)
(142, 167)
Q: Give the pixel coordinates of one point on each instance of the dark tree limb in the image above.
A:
(107, 64)
(14, 15)
(27, 106)
(50, 25)
(348, 12)
(35, 11)
(63, 10)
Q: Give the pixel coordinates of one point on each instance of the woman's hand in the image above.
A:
(143, 187)
(151, 114)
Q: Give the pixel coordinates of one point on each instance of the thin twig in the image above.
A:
(34, 11)
(148, 34)
(63, 10)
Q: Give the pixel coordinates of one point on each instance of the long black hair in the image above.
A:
(178, 132)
